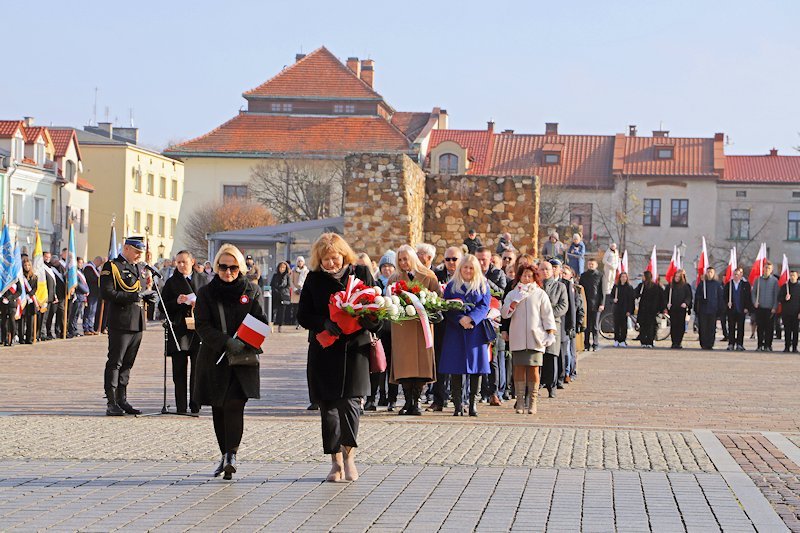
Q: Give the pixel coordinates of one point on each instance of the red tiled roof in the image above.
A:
(691, 157)
(762, 169)
(319, 74)
(33, 132)
(476, 142)
(410, 123)
(61, 139)
(84, 185)
(257, 133)
(9, 127)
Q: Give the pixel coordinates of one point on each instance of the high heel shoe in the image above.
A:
(230, 465)
(220, 466)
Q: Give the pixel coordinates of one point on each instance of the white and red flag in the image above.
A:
(674, 265)
(252, 331)
(758, 264)
(732, 266)
(623, 266)
(702, 262)
(652, 266)
(784, 279)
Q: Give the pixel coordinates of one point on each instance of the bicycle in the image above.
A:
(606, 326)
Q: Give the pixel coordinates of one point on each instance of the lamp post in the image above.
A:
(161, 249)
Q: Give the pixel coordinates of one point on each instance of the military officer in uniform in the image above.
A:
(123, 287)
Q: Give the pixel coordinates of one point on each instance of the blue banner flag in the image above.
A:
(72, 267)
(7, 275)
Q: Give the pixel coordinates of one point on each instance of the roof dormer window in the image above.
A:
(347, 109)
(552, 159)
(38, 153)
(281, 107)
(448, 164)
(665, 152)
(551, 153)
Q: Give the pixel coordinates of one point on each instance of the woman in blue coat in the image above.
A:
(465, 349)
(576, 254)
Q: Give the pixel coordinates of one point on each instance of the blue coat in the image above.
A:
(463, 351)
(575, 257)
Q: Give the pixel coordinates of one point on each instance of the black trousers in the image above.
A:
(790, 327)
(677, 324)
(8, 326)
(591, 328)
(765, 327)
(180, 363)
(735, 327)
(620, 327)
(56, 320)
(441, 385)
(26, 333)
(282, 314)
(122, 349)
(340, 420)
(561, 372)
(707, 329)
(457, 383)
(647, 329)
(549, 371)
(229, 423)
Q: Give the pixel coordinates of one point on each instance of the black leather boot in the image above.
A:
(122, 401)
(220, 466)
(408, 395)
(414, 409)
(112, 409)
(230, 465)
(472, 410)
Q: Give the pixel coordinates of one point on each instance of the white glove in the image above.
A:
(549, 340)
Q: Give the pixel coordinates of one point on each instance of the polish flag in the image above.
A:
(623, 266)
(673, 265)
(652, 267)
(252, 331)
(702, 262)
(758, 265)
(732, 266)
(784, 279)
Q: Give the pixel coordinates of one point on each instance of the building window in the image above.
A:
(344, 108)
(151, 184)
(137, 221)
(448, 164)
(173, 224)
(69, 171)
(53, 213)
(39, 154)
(664, 152)
(793, 232)
(234, 192)
(174, 190)
(67, 216)
(741, 194)
(740, 224)
(81, 225)
(38, 210)
(795, 194)
(149, 225)
(162, 222)
(552, 159)
(16, 209)
(137, 180)
(580, 216)
(18, 149)
(162, 187)
(652, 212)
(680, 214)
(285, 107)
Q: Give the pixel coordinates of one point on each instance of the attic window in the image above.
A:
(448, 164)
(285, 107)
(741, 194)
(348, 109)
(552, 158)
(665, 152)
(795, 194)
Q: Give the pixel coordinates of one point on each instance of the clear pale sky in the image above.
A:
(693, 67)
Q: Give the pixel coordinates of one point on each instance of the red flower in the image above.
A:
(367, 298)
(416, 289)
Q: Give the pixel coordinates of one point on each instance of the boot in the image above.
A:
(122, 401)
(472, 410)
(230, 465)
(112, 409)
(414, 410)
(407, 394)
(519, 407)
(533, 399)
(220, 466)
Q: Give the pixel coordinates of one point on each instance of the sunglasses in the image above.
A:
(223, 267)
(451, 259)
(508, 259)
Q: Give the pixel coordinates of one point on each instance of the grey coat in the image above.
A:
(557, 292)
(765, 293)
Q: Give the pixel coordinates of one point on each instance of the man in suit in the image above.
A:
(78, 302)
(557, 292)
(123, 286)
(179, 297)
(47, 316)
(573, 325)
(738, 303)
(92, 274)
(440, 389)
(56, 315)
(592, 282)
(496, 381)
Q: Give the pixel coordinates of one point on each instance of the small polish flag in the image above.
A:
(702, 262)
(732, 266)
(651, 265)
(673, 265)
(623, 266)
(758, 264)
(784, 279)
(252, 331)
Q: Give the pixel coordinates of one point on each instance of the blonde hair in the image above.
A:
(331, 242)
(478, 283)
(229, 249)
(416, 265)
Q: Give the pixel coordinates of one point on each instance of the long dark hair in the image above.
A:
(647, 278)
(679, 278)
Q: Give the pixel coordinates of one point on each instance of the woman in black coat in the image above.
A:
(624, 299)
(8, 310)
(651, 302)
(338, 376)
(225, 388)
(679, 302)
(26, 322)
(281, 294)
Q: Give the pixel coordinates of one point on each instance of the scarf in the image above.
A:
(340, 274)
(227, 292)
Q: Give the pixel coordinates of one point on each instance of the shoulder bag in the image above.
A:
(249, 357)
(377, 356)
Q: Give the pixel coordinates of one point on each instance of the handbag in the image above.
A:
(486, 332)
(377, 356)
(190, 320)
(249, 357)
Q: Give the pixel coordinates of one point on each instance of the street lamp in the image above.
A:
(161, 249)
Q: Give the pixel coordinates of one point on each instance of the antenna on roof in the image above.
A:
(661, 125)
(94, 114)
(107, 113)
(130, 111)
(728, 141)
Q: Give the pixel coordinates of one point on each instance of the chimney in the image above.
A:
(490, 126)
(106, 129)
(719, 137)
(632, 130)
(130, 135)
(443, 119)
(298, 57)
(774, 151)
(28, 121)
(551, 128)
(355, 65)
(508, 132)
(368, 72)
(663, 134)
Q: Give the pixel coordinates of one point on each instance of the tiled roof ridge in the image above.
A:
(207, 134)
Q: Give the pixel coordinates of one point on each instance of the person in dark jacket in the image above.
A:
(281, 294)
(338, 375)
(378, 380)
(592, 282)
(78, 302)
(624, 299)
(651, 302)
(557, 292)
(678, 303)
(180, 298)
(738, 302)
(8, 309)
(708, 306)
(26, 331)
(789, 297)
(572, 326)
(472, 242)
(92, 276)
(57, 308)
(221, 307)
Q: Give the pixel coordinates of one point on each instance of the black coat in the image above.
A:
(61, 280)
(592, 283)
(708, 298)
(575, 312)
(213, 379)
(9, 305)
(626, 299)
(93, 281)
(497, 279)
(651, 300)
(51, 286)
(30, 308)
(125, 310)
(680, 294)
(746, 294)
(176, 285)
(790, 307)
(280, 286)
(342, 369)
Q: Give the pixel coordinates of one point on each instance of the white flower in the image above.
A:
(395, 299)
(379, 300)
(424, 292)
(394, 311)
(378, 291)
(410, 311)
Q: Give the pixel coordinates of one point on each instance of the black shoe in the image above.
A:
(128, 408)
(413, 409)
(390, 407)
(194, 408)
(383, 402)
(472, 410)
(435, 407)
(768, 348)
(113, 409)
(458, 410)
(794, 350)
(370, 406)
(739, 348)
(560, 386)
(786, 349)
(312, 407)
(230, 465)
(220, 466)
(551, 392)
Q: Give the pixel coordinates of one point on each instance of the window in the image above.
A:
(39, 154)
(137, 221)
(173, 224)
(16, 208)
(740, 224)
(580, 215)
(174, 190)
(69, 171)
(149, 225)
(680, 214)
(38, 210)
(281, 106)
(53, 213)
(137, 180)
(793, 233)
(652, 212)
(552, 159)
(741, 194)
(234, 192)
(162, 187)
(162, 222)
(151, 183)
(344, 108)
(18, 148)
(795, 194)
(664, 152)
(448, 164)
(81, 226)
(67, 216)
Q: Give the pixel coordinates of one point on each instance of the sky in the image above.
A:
(692, 67)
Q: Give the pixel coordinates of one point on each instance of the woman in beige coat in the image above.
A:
(413, 365)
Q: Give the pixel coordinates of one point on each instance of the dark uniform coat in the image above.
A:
(176, 285)
(125, 310)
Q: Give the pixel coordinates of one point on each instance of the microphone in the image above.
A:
(153, 271)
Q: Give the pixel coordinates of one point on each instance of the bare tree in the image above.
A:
(223, 216)
(299, 190)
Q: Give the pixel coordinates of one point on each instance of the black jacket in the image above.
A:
(651, 300)
(177, 284)
(626, 299)
(792, 305)
(708, 299)
(280, 286)
(746, 294)
(11, 297)
(213, 380)
(592, 283)
(342, 369)
(681, 294)
(497, 279)
(93, 281)
(473, 244)
(557, 292)
(61, 280)
(575, 313)
(125, 309)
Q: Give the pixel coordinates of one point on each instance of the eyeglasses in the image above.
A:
(451, 259)
(223, 267)
(508, 259)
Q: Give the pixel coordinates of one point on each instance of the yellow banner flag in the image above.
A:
(41, 274)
